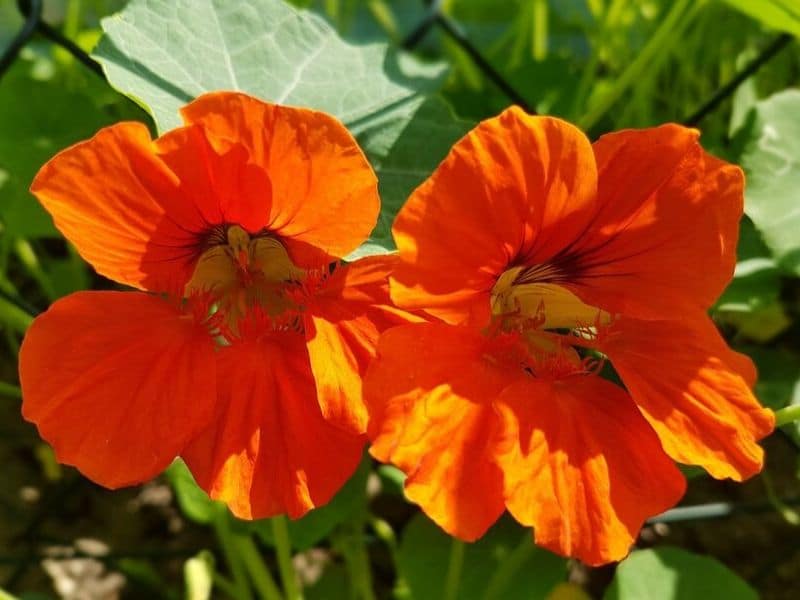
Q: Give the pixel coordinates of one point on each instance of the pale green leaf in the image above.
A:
(771, 159)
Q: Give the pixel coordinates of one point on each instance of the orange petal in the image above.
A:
(515, 187)
(342, 325)
(324, 193)
(582, 466)
(269, 451)
(694, 391)
(663, 242)
(120, 205)
(224, 186)
(429, 393)
(117, 383)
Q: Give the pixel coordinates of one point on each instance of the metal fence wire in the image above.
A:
(434, 18)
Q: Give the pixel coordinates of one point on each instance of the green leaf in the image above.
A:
(672, 574)
(783, 15)
(756, 281)
(424, 554)
(164, 54)
(405, 147)
(194, 502)
(318, 523)
(771, 159)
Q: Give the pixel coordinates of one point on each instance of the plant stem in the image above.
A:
(511, 564)
(787, 415)
(280, 532)
(454, 567)
(10, 390)
(227, 541)
(358, 560)
(13, 316)
(655, 44)
(262, 580)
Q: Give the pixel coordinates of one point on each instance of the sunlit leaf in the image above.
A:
(674, 574)
(783, 15)
(771, 159)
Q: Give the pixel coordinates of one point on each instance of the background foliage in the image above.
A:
(605, 64)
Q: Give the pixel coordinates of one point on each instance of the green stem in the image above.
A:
(10, 390)
(13, 316)
(454, 568)
(384, 532)
(280, 532)
(511, 564)
(6, 596)
(787, 415)
(358, 561)
(655, 44)
(262, 580)
(28, 259)
(227, 540)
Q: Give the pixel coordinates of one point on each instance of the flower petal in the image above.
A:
(429, 393)
(663, 242)
(269, 451)
(324, 193)
(225, 187)
(120, 205)
(582, 466)
(694, 391)
(117, 383)
(342, 325)
(516, 188)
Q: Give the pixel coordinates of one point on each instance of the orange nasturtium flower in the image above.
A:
(547, 257)
(243, 352)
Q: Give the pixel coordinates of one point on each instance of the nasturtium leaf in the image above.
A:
(164, 54)
(783, 15)
(771, 159)
(756, 281)
(675, 574)
(405, 147)
(505, 560)
(318, 523)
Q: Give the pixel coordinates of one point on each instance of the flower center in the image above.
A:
(520, 296)
(245, 271)
(528, 308)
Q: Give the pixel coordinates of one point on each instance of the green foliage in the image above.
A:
(503, 564)
(670, 573)
(771, 159)
(783, 15)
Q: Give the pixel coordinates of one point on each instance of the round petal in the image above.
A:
(581, 466)
(224, 186)
(694, 391)
(663, 241)
(516, 189)
(121, 206)
(429, 394)
(117, 383)
(342, 325)
(324, 193)
(269, 451)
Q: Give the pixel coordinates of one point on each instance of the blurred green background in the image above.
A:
(604, 64)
